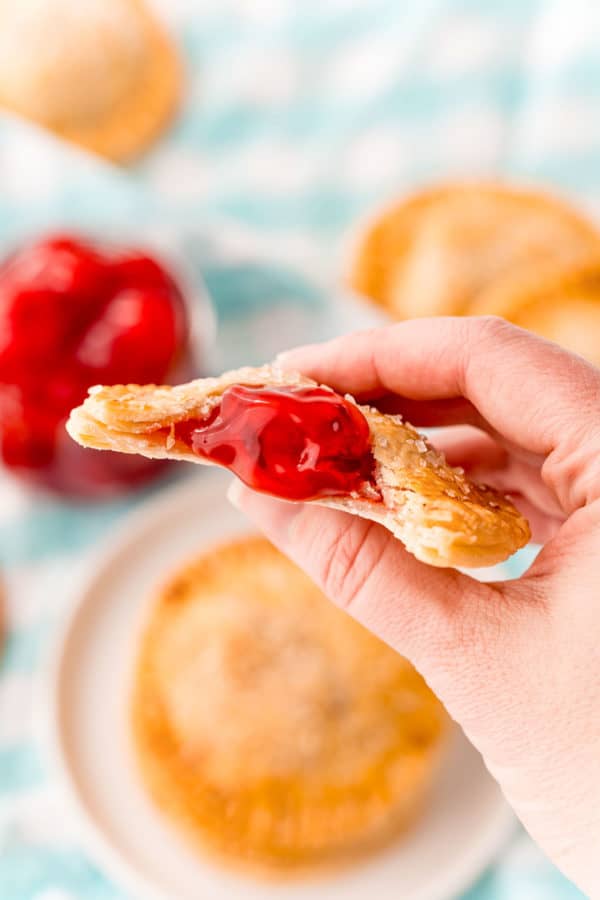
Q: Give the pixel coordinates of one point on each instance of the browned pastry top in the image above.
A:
(271, 726)
(100, 73)
(435, 252)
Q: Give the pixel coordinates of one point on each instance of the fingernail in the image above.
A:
(273, 516)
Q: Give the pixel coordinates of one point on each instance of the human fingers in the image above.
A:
(530, 391)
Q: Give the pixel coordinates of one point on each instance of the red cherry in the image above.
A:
(134, 339)
(27, 435)
(33, 328)
(138, 270)
(65, 387)
(61, 265)
(47, 292)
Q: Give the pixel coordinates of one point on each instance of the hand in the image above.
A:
(516, 663)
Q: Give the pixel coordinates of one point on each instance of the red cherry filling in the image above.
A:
(72, 315)
(48, 293)
(133, 339)
(296, 443)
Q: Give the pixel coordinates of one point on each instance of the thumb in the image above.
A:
(438, 618)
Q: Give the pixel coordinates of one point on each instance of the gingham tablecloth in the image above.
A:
(299, 118)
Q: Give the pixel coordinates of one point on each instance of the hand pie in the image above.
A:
(286, 435)
(558, 302)
(100, 73)
(272, 728)
(437, 251)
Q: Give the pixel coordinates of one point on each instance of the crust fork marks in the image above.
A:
(440, 516)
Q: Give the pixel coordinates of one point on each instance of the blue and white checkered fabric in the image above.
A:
(299, 118)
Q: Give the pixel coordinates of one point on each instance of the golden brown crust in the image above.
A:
(560, 302)
(115, 104)
(434, 252)
(441, 517)
(256, 726)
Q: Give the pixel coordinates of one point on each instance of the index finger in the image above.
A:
(529, 390)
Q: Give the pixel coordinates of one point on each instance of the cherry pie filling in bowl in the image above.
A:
(73, 314)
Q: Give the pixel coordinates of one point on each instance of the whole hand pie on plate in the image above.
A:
(271, 727)
(284, 434)
(439, 250)
(100, 73)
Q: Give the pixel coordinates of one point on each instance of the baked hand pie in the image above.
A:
(435, 252)
(284, 434)
(558, 302)
(274, 730)
(100, 73)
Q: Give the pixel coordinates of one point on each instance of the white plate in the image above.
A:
(88, 737)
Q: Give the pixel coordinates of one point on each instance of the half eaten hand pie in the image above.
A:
(284, 434)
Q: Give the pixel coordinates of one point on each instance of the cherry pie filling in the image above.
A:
(299, 443)
(72, 315)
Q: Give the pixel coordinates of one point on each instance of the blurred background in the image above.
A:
(187, 186)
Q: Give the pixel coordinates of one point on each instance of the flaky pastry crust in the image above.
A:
(439, 515)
